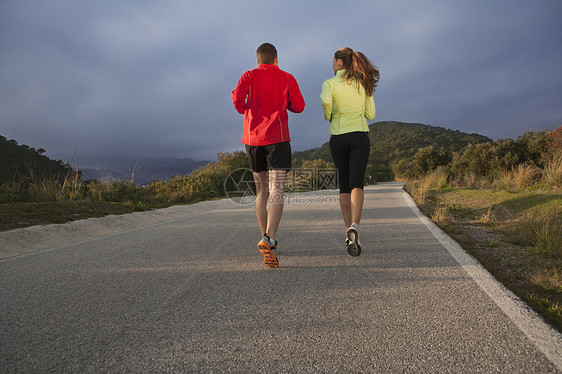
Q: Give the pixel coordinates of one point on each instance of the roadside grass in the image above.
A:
(27, 200)
(516, 234)
(30, 201)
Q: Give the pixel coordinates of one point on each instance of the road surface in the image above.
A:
(188, 292)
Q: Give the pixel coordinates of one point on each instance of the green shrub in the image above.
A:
(403, 168)
(204, 183)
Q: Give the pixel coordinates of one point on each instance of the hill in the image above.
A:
(21, 161)
(394, 141)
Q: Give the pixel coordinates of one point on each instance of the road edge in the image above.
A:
(547, 339)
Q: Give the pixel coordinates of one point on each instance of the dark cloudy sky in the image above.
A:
(85, 79)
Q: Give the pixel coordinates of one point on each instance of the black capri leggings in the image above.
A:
(350, 153)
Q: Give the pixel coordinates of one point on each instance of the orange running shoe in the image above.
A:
(265, 246)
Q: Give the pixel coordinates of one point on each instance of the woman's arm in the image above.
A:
(326, 99)
(369, 108)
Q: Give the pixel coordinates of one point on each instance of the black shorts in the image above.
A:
(266, 157)
(350, 153)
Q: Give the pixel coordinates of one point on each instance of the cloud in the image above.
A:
(141, 78)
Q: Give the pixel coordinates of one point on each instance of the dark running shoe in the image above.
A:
(353, 245)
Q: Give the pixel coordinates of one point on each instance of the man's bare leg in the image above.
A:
(262, 196)
(277, 179)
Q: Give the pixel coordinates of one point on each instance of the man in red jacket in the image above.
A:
(264, 95)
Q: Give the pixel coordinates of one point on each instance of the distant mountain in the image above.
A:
(142, 170)
(21, 161)
(392, 141)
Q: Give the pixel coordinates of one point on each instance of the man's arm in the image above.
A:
(294, 97)
(240, 93)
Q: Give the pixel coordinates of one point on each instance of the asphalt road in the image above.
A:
(192, 295)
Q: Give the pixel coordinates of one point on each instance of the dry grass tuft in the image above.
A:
(522, 177)
(525, 175)
(436, 180)
(552, 174)
(550, 279)
(441, 215)
(548, 239)
(487, 217)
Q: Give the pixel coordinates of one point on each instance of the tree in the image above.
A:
(428, 159)
(553, 139)
(473, 159)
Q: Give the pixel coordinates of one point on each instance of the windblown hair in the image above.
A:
(266, 54)
(358, 66)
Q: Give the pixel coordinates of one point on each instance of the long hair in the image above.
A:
(358, 66)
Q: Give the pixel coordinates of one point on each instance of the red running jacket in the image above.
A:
(263, 95)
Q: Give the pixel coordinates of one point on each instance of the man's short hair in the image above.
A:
(266, 54)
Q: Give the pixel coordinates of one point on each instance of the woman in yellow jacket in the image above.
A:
(347, 102)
